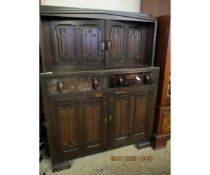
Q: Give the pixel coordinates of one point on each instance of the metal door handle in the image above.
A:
(102, 45)
(109, 45)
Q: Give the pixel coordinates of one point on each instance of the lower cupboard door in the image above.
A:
(94, 123)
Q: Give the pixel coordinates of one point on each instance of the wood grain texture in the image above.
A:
(82, 49)
(131, 43)
(93, 113)
(47, 53)
(141, 107)
(67, 117)
(162, 59)
(77, 44)
(129, 107)
(121, 116)
(65, 43)
(161, 131)
(156, 8)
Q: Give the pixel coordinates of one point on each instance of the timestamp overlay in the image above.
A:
(131, 158)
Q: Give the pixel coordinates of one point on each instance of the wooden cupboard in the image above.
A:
(98, 82)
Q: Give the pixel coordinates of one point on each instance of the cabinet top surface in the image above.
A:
(58, 10)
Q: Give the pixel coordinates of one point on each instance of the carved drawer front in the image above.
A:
(69, 84)
(68, 126)
(93, 122)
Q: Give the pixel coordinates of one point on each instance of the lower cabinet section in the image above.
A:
(89, 123)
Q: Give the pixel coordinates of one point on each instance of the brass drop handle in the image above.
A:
(110, 118)
(95, 83)
(60, 86)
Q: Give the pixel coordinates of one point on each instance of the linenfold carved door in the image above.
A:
(78, 42)
(119, 118)
(68, 126)
(94, 112)
(126, 43)
(140, 111)
(128, 112)
(80, 124)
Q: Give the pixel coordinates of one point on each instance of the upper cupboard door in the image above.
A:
(116, 43)
(128, 44)
(78, 43)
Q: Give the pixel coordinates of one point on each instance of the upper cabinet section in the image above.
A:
(73, 39)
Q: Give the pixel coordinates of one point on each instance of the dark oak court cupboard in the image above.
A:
(98, 82)
(161, 132)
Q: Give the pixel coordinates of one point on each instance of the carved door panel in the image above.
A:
(78, 42)
(116, 43)
(127, 44)
(140, 103)
(137, 41)
(91, 37)
(67, 126)
(94, 124)
(119, 118)
(65, 43)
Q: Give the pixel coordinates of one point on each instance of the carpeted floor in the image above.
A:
(101, 164)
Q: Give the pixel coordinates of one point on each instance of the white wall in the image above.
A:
(119, 5)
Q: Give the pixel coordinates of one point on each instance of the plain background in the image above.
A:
(19, 87)
(120, 5)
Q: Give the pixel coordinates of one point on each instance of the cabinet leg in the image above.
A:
(158, 142)
(142, 145)
(58, 166)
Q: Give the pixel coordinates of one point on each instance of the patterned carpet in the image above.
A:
(144, 162)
